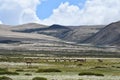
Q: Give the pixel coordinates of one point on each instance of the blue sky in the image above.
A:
(63, 12)
(45, 9)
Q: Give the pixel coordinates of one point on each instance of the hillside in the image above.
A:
(81, 33)
(67, 33)
(7, 35)
(53, 30)
(109, 35)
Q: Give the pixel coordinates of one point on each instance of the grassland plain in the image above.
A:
(109, 67)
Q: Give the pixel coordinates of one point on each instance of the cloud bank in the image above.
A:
(94, 12)
(15, 12)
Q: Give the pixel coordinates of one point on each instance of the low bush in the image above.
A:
(79, 64)
(5, 71)
(28, 74)
(19, 70)
(100, 67)
(5, 78)
(113, 66)
(39, 78)
(49, 70)
(90, 74)
(8, 73)
(117, 67)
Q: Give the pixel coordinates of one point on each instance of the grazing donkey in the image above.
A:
(28, 62)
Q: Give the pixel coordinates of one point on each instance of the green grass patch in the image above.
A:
(5, 78)
(3, 69)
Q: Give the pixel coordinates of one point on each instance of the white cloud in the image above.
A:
(29, 16)
(93, 12)
(16, 12)
(0, 22)
(64, 14)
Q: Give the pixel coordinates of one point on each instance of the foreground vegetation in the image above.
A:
(4, 71)
(5, 78)
(39, 78)
(48, 70)
(90, 74)
(38, 68)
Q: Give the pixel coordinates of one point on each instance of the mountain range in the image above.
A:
(87, 34)
(67, 33)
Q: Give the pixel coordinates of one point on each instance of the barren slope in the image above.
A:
(110, 35)
(78, 34)
(67, 33)
(6, 32)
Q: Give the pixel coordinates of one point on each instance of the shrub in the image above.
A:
(90, 74)
(117, 67)
(12, 73)
(49, 70)
(8, 73)
(79, 64)
(5, 71)
(28, 74)
(19, 70)
(100, 67)
(113, 66)
(39, 78)
(5, 78)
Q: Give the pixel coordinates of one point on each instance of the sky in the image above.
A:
(46, 8)
(63, 12)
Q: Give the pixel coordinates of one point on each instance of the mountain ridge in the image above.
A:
(109, 35)
(67, 33)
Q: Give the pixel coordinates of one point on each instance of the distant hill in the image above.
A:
(81, 33)
(53, 30)
(67, 33)
(34, 36)
(27, 26)
(109, 35)
(8, 34)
